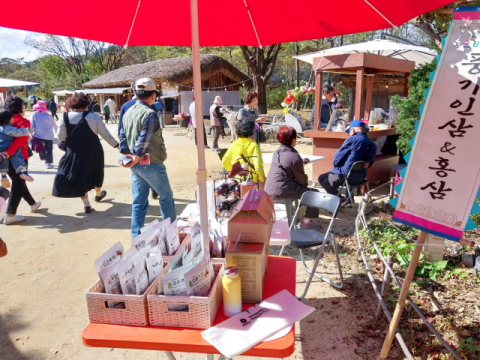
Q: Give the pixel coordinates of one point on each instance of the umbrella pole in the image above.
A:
(197, 91)
(402, 297)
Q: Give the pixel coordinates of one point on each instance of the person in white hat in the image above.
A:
(141, 140)
(215, 121)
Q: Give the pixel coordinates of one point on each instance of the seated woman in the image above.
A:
(286, 178)
(246, 146)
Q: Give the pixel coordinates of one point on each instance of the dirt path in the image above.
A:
(50, 265)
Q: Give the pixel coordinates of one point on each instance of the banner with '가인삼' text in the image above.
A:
(443, 174)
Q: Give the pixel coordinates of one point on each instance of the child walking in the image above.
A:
(7, 133)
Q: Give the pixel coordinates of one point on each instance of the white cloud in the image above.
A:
(12, 44)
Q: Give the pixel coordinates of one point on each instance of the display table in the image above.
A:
(281, 275)
(325, 143)
(267, 158)
(280, 232)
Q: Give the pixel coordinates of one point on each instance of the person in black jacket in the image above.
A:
(53, 109)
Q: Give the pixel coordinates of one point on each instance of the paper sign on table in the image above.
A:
(443, 176)
(256, 324)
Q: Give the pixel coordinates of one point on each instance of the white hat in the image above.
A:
(145, 84)
(218, 100)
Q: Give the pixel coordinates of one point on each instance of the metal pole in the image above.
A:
(197, 89)
(402, 298)
(386, 283)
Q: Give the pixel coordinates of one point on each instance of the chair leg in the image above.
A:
(281, 250)
(313, 273)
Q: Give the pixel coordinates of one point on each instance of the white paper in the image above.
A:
(256, 324)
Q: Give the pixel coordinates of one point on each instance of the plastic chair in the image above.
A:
(305, 239)
(288, 207)
(356, 167)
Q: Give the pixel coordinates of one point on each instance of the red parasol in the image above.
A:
(213, 23)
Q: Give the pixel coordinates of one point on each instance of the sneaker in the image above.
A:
(5, 182)
(346, 203)
(99, 198)
(49, 166)
(206, 147)
(9, 220)
(88, 209)
(213, 149)
(35, 207)
(26, 177)
(154, 195)
(309, 226)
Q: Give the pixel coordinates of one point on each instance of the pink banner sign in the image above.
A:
(443, 173)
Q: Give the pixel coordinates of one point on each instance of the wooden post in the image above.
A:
(402, 298)
(405, 85)
(359, 94)
(318, 98)
(368, 98)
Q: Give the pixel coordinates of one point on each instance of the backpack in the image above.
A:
(106, 109)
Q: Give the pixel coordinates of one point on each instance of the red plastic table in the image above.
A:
(281, 275)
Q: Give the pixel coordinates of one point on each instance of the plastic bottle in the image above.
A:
(232, 292)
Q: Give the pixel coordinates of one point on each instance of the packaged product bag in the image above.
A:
(173, 241)
(111, 280)
(154, 262)
(146, 239)
(198, 280)
(107, 258)
(140, 276)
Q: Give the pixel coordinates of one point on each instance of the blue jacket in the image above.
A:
(123, 110)
(357, 147)
(157, 106)
(325, 114)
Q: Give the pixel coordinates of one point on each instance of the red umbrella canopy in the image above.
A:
(221, 23)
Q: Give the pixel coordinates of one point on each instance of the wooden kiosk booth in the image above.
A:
(325, 143)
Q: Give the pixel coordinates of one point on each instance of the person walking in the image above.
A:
(81, 169)
(215, 116)
(249, 112)
(158, 107)
(19, 189)
(53, 109)
(43, 125)
(141, 135)
(191, 109)
(112, 106)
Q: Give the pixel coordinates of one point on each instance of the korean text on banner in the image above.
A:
(442, 177)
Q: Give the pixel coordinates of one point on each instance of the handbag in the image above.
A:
(62, 145)
(262, 138)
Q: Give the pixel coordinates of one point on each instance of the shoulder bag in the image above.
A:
(62, 145)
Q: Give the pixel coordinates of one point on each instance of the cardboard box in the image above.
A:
(245, 188)
(252, 219)
(251, 261)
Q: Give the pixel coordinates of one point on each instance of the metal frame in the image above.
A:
(334, 210)
(350, 187)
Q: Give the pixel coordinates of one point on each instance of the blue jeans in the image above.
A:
(144, 178)
(17, 162)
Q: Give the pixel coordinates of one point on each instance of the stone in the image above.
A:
(468, 260)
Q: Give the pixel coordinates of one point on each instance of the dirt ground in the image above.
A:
(50, 265)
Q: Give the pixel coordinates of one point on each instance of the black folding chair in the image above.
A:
(356, 167)
(305, 238)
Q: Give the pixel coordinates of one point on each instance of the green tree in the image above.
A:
(408, 108)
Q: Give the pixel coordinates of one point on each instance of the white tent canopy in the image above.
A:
(63, 92)
(117, 90)
(11, 83)
(419, 54)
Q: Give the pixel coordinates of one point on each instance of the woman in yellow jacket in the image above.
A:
(246, 146)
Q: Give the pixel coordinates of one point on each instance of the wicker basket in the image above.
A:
(201, 310)
(135, 312)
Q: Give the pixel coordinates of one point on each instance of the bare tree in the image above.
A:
(261, 63)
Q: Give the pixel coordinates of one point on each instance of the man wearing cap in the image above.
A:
(357, 147)
(140, 134)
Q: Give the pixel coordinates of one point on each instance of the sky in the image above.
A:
(12, 44)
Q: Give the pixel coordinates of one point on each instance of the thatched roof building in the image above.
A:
(175, 72)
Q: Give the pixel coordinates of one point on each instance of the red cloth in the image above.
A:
(20, 122)
(308, 21)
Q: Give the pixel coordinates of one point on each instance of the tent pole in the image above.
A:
(197, 88)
